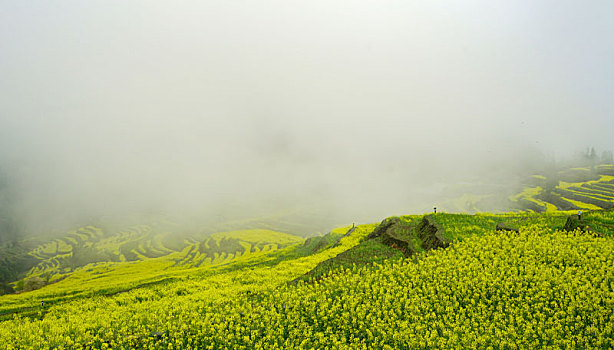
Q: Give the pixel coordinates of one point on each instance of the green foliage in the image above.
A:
(9, 227)
(600, 221)
(368, 252)
(534, 289)
(15, 261)
(6, 288)
(537, 288)
(318, 243)
(463, 226)
(33, 283)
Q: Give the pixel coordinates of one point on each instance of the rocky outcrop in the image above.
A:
(384, 226)
(398, 234)
(431, 234)
(574, 223)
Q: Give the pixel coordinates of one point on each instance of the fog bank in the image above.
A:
(361, 107)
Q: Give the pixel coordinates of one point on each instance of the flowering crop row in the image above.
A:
(536, 289)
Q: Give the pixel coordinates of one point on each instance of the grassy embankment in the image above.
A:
(378, 286)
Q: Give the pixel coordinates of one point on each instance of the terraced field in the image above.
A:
(530, 198)
(91, 244)
(33, 262)
(566, 189)
(223, 247)
(152, 264)
(94, 250)
(112, 277)
(590, 195)
(254, 247)
(386, 285)
(575, 189)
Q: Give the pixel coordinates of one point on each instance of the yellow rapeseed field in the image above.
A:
(536, 289)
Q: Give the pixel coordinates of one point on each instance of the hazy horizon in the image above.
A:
(363, 107)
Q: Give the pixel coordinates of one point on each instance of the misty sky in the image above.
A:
(183, 104)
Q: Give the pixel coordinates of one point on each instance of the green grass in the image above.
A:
(366, 252)
(110, 278)
(540, 288)
(119, 285)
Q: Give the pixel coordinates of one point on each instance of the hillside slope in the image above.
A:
(30, 263)
(531, 284)
(561, 189)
